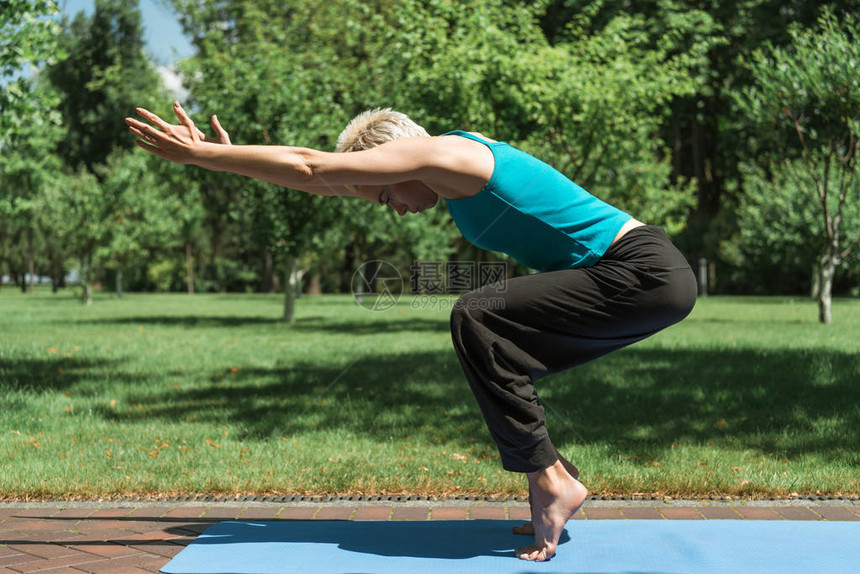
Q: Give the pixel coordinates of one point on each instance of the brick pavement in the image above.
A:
(72, 538)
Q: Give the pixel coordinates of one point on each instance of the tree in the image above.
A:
(140, 211)
(105, 76)
(77, 207)
(28, 167)
(808, 96)
(27, 36)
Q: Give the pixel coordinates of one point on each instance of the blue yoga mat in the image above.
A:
(487, 546)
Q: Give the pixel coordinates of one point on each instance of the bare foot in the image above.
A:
(527, 529)
(556, 496)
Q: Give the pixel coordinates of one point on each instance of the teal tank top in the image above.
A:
(535, 214)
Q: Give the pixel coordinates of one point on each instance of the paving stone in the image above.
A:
(105, 550)
(147, 536)
(19, 558)
(758, 513)
(641, 513)
(31, 525)
(69, 513)
(111, 513)
(603, 514)
(796, 513)
(185, 512)
(33, 512)
(261, 513)
(93, 523)
(372, 513)
(42, 536)
(224, 513)
(145, 512)
(521, 513)
(141, 526)
(39, 565)
(682, 513)
(335, 513)
(100, 534)
(720, 513)
(452, 513)
(159, 548)
(296, 513)
(835, 513)
(413, 513)
(141, 561)
(487, 513)
(7, 512)
(44, 550)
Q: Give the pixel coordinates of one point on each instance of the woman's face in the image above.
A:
(404, 197)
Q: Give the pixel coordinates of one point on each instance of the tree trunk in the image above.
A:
(703, 277)
(86, 264)
(828, 269)
(31, 261)
(290, 290)
(189, 268)
(268, 272)
(815, 289)
(119, 282)
(314, 287)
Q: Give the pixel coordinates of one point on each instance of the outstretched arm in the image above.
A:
(299, 168)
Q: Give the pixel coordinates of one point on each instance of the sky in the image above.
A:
(165, 41)
(162, 33)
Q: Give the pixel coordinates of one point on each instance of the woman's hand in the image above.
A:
(221, 136)
(177, 143)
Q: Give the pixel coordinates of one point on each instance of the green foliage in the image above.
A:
(27, 36)
(105, 76)
(810, 91)
(806, 98)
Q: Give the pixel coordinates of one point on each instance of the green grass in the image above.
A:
(211, 393)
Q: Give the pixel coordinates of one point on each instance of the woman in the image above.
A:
(606, 281)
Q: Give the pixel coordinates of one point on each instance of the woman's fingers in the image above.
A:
(142, 130)
(220, 131)
(152, 118)
(185, 120)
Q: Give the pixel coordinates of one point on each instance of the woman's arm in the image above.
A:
(299, 168)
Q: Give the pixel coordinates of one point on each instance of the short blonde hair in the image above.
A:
(375, 127)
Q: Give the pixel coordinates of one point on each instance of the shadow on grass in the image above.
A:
(640, 400)
(352, 325)
(56, 373)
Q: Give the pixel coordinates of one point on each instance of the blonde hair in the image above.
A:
(375, 127)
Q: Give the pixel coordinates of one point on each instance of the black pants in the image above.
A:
(508, 335)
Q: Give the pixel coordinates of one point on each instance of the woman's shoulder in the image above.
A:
(470, 135)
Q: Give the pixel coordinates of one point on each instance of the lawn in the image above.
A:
(170, 393)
